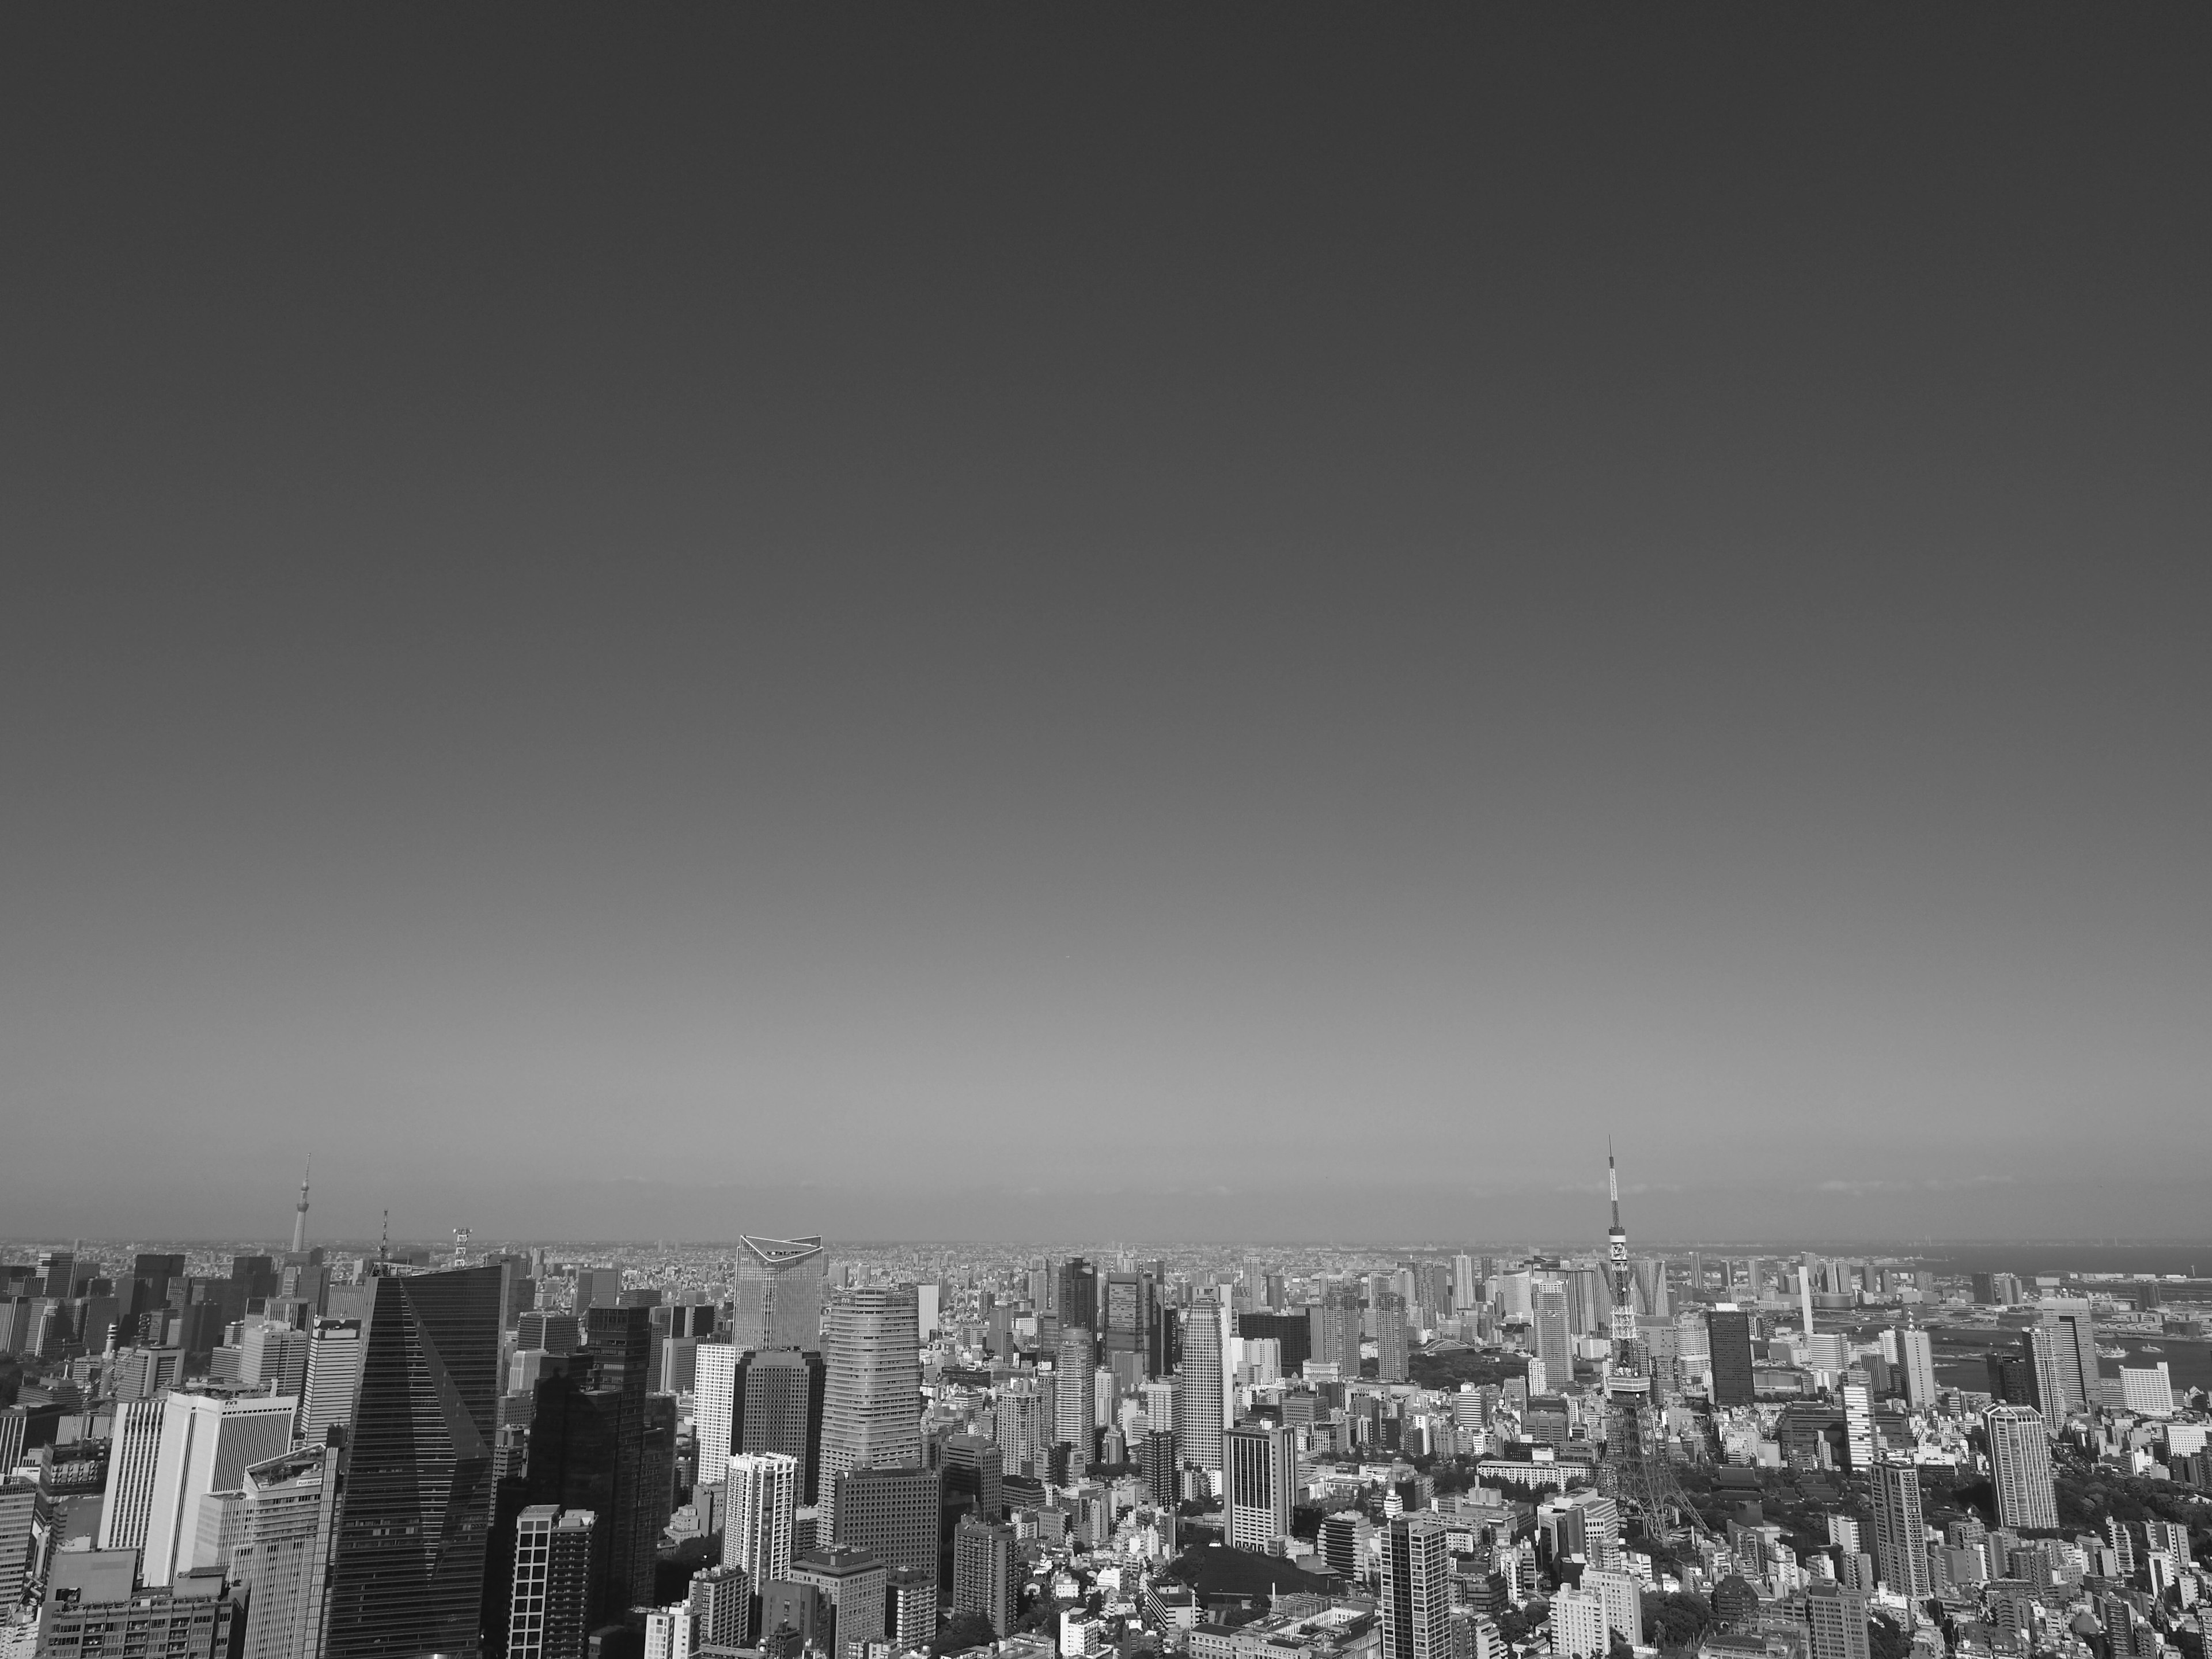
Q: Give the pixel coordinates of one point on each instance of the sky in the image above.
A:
(985, 623)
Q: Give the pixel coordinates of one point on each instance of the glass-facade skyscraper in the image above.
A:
(778, 1301)
(407, 1567)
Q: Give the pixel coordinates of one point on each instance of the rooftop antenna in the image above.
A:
(300, 1210)
(384, 1245)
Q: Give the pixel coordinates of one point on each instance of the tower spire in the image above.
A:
(1623, 1325)
(300, 1210)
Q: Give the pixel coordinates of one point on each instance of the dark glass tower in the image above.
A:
(777, 1406)
(408, 1563)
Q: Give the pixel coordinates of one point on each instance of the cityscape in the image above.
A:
(967, 832)
(805, 1450)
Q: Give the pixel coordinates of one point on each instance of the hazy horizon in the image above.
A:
(1214, 624)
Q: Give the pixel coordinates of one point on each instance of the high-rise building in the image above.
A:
(1467, 1287)
(2020, 1467)
(777, 1401)
(332, 1380)
(1077, 1301)
(2073, 1329)
(1554, 1345)
(1125, 1315)
(762, 1502)
(290, 1514)
(974, 1470)
(135, 1444)
(1836, 1620)
(1915, 1358)
(1416, 1587)
(1023, 1434)
(714, 1408)
(1259, 1484)
(407, 1570)
(1578, 1630)
(892, 1512)
(1622, 1597)
(1155, 1458)
(1900, 1530)
(912, 1608)
(1332, 1336)
(1201, 1414)
(779, 1293)
(1858, 1425)
(1392, 1337)
(549, 1612)
(720, 1601)
(1729, 1332)
(1074, 1404)
(872, 1408)
(851, 1586)
(983, 1578)
(208, 1442)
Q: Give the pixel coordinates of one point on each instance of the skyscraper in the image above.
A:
(1260, 1484)
(2020, 1467)
(335, 1352)
(1072, 1403)
(1729, 1331)
(1554, 1346)
(549, 1606)
(714, 1408)
(2073, 1330)
(594, 1434)
(1916, 1357)
(764, 1491)
(779, 1293)
(1077, 1301)
(983, 1580)
(135, 1444)
(892, 1512)
(871, 1410)
(1900, 1530)
(290, 1521)
(778, 1401)
(207, 1443)
(1416, 1587)
(1200, 1416)
(975, 1469)
(720, 1601)
(407, 1569)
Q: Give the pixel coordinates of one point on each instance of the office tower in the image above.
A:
(762, 1501)
(274, 1357)
(207, 1443)
(549, 1614)
(1467, 1287)
(1073, 1402)
(1292, 1331)
(1393, 1337)
(1578, 1629)
(983, 1580)
(335, 1352)
(596, 1287)
(1900, 1530)
(779, 1293)
(1836, 1620)
(1416, 1589)
(1125, 1315)
(1554, 1346)
(1728, 1332)
(2020, 1467)
(57, 1273)
(872, 1408)
(1916, 1357)
(599, 1442)
(22, 1508)
(2148, 1390)
(1077, 1303)
(555, 1333)
(720, 1602)
(777, 1400)
(974, 1470)
(2044, 1381)
(290, 1516)
(407, 1571)
(852, 1585)
(128, 1502)
(2074, 1336)
(1261, 1482)
(1200, 1409)
(894, 1513)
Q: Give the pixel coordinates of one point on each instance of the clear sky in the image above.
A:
(1161, 624)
